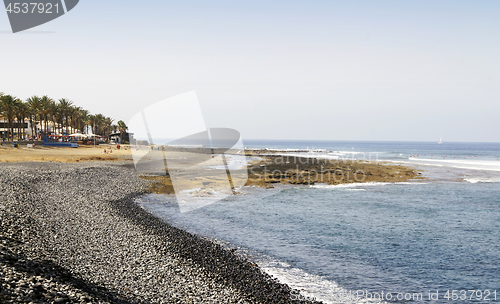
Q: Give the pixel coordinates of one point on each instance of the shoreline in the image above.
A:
(264, 169)
(19, 254)
(91, 242)
(267, 170)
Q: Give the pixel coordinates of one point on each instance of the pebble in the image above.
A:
(72, 233)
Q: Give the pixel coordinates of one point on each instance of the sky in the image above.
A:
(322, 70)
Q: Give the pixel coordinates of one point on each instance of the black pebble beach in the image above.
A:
(72, 233)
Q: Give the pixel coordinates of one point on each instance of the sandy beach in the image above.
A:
(64, 155)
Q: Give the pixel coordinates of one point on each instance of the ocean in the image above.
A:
(428, 241)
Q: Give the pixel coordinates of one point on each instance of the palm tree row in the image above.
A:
(47, 115)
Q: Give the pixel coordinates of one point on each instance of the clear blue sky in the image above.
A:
(333, 70)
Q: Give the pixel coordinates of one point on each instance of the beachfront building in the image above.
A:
(117, 137)
(25, 131)
(21, 131)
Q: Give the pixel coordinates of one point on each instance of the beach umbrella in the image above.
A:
(77, 135)
(92, 135)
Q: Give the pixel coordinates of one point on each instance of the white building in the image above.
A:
(5, 131)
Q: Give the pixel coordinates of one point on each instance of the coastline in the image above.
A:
(90, 242)
(83, 192)
(20, 252)
(267, 170)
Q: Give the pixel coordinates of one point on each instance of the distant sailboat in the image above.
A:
(440, 140)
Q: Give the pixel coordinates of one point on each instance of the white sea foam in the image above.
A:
(310, 155)
(456, 163)
(474, 180)
(311, 287)
(351, 185)
(189, 191)
(330, 155)
(201, 193)
(360, 185)
(234, 162)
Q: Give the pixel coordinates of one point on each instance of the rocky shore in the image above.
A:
(71, 233)
(296, 170)
(266, 170)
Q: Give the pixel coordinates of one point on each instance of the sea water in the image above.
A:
(432, 241)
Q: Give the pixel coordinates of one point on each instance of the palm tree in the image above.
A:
(108, 121)
(21, 111)
(123, 128)
(65, 106)
(41, 111)
(55, 116)
(1, 107)
(83, 118)
(46, 111)
(98, 124)
(75, 118)
(9, 112)
(1, 104)
(35, 105)
(92, 123)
